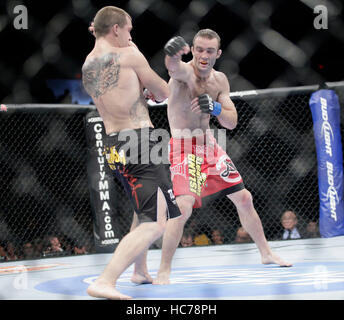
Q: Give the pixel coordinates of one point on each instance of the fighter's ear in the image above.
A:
(219, 52)
(115, 28)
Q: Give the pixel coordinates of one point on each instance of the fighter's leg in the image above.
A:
(140, 273)
(127, 251)
(252, 224)
(172, 237)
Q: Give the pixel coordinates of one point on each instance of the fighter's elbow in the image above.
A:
(163, 94)
(166, 92)
(232, 125)
(229, 123)
(234, 122)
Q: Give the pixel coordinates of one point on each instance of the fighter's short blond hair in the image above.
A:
(107, 17)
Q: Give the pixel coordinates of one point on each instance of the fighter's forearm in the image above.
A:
(173, 64)
(228, 118)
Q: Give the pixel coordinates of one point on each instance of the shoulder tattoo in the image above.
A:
(101, 74)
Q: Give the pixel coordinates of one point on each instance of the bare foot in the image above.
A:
(104, 290)
(162, 278)
(274, 258)
(139, 278)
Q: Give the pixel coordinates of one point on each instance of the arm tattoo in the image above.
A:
(101, 74)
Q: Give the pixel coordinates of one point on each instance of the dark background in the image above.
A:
(265, 43)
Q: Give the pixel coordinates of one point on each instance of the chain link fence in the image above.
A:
(44, 191)
(43, 183)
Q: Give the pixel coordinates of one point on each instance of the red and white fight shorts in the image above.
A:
(202, 169)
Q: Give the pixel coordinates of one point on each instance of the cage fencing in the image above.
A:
(44, 184)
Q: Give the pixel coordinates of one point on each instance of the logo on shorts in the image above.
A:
(179, 169)
(196, 177)
(172, 196)
(113, 156)
(228, 171)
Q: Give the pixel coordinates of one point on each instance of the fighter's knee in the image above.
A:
(185, 206)
(185, 211)
(158, 225)
(160, 228)
(244, 199)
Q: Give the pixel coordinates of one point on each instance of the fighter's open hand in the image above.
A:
(176, 47)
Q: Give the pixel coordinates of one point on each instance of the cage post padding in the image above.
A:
(326, 124)
(101, 184)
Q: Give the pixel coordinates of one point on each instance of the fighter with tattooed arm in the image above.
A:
(114, 75)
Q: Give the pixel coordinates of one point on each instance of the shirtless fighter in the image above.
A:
(114, 75)
(198, 92)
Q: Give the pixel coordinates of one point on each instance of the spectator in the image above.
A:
(12, 251)
(53, 246)
(8, 251)
(89, 247)
(187, 240)
(201, 240)
(38, 247)
(242, 236)
(3, 255)
(216, 237)
(78, 248)
(289, 224)
(67, 245)
(28, 251)
(312, 230)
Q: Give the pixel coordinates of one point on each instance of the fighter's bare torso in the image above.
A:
(181, 93)
(115, 88)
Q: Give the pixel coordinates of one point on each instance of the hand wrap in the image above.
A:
(208, 105)
(174, 45)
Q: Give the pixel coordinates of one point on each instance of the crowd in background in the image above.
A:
(57, 246)
(50, 246)
(290, 229)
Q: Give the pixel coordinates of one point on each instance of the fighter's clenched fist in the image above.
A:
(176, 46)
